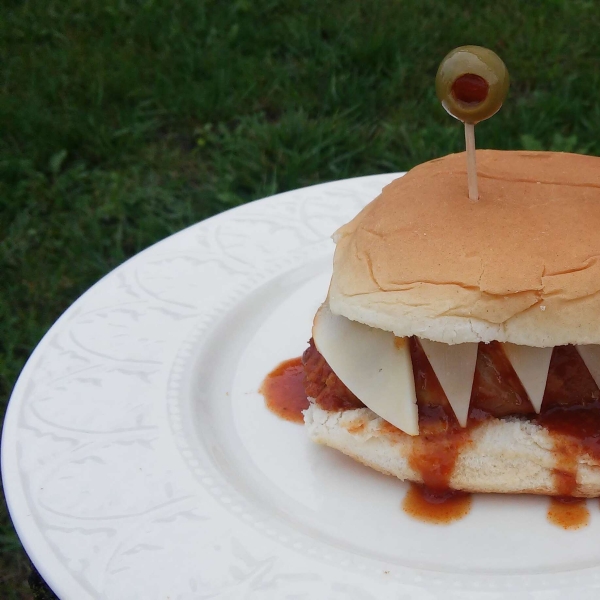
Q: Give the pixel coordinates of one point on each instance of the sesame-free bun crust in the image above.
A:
(508, 456)
(521, 265)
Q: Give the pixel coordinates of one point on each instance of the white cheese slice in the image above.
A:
(373, 364)
(531, 366)
(590, 354)
(454, 367)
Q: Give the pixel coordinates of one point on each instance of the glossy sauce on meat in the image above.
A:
(435, 449)
(440, 438)
(322, 384)
(570, 412)
(283, 390)
(497, 391)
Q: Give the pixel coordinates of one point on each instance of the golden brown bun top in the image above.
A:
(520, 265)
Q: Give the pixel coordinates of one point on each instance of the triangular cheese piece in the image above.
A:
(590, 354)
(454, 366)
(373, 364)
(531, 366)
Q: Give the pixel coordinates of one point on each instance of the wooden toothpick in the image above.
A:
(471, 83)
(471, 162)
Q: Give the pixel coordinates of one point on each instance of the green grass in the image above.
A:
(123, 121)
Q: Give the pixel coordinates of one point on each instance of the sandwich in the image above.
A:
(459, 343)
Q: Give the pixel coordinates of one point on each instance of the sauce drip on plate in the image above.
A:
(444, 507)
(570, 413)
(283, 390)
(568, 513)
(435, 450)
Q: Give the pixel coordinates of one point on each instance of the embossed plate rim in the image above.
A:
(53, 568)
(49, 565)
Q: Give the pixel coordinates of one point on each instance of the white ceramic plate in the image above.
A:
(140, 463)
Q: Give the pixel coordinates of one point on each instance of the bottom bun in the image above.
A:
(508, 456)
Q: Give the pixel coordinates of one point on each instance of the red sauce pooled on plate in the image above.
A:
(568, 513)
(283, 390)
(441, 508)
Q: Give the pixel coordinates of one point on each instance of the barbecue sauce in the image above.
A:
(497, 390)
(441, 507)
(440, 438)
(322, 384)
(435, 450)
(570, 413)
(283, 390)
(567, 512)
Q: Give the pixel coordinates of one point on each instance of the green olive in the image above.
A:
(471, 83)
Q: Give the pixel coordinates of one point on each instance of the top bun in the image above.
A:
(521, 265)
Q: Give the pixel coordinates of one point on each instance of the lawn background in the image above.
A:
(124, 121)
